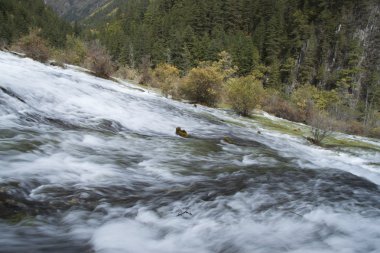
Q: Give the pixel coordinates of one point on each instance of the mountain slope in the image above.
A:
(73, 10)
(330, 44)
(18, 17)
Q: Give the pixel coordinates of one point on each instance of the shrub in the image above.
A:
(166, 77)
(309, 98)
(282, 108)
(374, 132)
(145, 70)
(165, 71)
(344, 112)
(203, 85)
(354, 127)
(98, 60)
(325, 99)
(75, 50)
(128, 73)
(321, 127)
(33, 46)
(225, 66)
(3, 44)
(244, 94)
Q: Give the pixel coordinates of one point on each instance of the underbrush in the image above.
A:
(279, 107)
(33, 46)
(98, 60)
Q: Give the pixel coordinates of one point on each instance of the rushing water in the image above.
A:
(89, 165)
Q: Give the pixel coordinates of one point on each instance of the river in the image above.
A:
(91, 165)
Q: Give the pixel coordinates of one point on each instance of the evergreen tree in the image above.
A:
(19, 17)
(298, 41)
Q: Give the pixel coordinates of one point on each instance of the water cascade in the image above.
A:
(90, 165)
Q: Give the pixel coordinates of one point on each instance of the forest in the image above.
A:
(18, 17)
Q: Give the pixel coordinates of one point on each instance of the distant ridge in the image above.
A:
(73, 10)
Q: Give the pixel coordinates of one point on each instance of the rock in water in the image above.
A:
(181, 132)
(228, 140)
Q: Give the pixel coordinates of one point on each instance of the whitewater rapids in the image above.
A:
(90, 165)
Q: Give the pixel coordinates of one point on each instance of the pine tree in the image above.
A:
(272, 43)
(307, 70)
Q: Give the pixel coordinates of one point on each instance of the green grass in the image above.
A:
(297, 130)
(280, 126)
(333, 142)
(236, 123)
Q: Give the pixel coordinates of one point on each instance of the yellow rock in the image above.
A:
(181, 132)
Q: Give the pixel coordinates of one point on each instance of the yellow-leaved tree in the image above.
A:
(244, 94)
(166, 77)
(34, 46)
(203, 85)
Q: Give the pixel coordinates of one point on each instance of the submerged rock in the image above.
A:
(57, 64)
(181, 132)
(228, 140)
(12, 94)
(313, 141)
(22, 55)
(12, 209)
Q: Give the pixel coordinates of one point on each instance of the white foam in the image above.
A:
(320, 231)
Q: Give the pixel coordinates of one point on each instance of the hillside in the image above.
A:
(89, 11)
(75, 10)
(309, 56)
(18, 17)
(315, 42)
(332, 45)
(326, 43)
